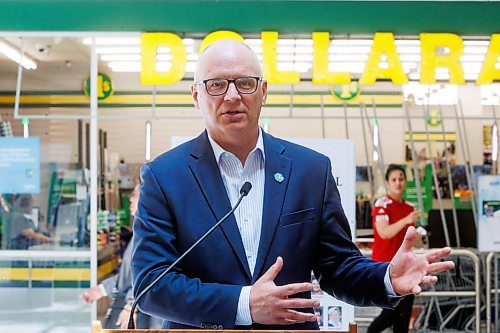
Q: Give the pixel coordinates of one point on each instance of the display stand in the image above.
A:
(97, 328)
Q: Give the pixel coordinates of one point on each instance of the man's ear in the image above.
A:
(264, 92)
(194, 93)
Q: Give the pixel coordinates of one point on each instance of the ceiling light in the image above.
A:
(351, 67)
(295, 58)
(349, 49)
(13, 54)
(295, 49)
(121, 57)
(476, 42)
(119, 49)
(475, 49)
(470, 76)
(442, 76)
(472, 67)
(407, 42)
(256, 49)
(351, 42)
(125, 66)
(348, 57)
(113, 41)
(295, 42)
(472, 57)
(408, 49)
(297, 66)
(253, 42)
(409, 57)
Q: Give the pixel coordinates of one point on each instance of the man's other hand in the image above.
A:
(410, 271)
(270, 305)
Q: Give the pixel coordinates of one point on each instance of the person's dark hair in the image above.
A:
(394, 167)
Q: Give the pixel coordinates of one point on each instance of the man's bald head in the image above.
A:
(231, 117)
(226, 50)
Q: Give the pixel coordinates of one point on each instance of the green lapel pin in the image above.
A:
(279, 177)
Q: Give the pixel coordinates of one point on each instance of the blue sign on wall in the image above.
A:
(19, 165)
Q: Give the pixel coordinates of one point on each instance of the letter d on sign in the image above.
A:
(150, 44)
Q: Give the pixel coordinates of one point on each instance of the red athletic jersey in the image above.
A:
(388, 209)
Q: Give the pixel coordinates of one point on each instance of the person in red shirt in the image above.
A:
(392, 216)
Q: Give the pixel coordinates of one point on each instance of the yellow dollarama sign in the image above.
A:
(383, 45)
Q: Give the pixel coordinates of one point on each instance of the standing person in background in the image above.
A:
(122, 281)
(392, 216)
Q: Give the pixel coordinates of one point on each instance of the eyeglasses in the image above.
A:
(244, 85)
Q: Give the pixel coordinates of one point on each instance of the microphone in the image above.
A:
(243, 193)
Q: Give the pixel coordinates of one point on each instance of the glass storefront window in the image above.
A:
(45, 237)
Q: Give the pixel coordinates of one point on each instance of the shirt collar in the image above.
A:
(218, 150)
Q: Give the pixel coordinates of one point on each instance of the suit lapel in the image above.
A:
(274, 195)
(207, 174)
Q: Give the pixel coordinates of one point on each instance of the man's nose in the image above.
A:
(232, 93)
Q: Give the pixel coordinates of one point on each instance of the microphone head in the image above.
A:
(245, 189)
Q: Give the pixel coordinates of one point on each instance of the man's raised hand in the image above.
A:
(410, 271)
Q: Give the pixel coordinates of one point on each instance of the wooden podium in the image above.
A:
(97, 328)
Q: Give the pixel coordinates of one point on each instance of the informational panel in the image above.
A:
(341, 154)
(19, 165)
(332, 314)
(488, 213)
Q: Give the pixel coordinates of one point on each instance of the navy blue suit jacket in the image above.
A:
(183, 195)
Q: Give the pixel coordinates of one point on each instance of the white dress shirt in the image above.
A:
(249, 214)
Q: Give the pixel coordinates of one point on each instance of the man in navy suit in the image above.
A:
(252, 271)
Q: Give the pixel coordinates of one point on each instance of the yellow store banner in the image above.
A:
(438, 50)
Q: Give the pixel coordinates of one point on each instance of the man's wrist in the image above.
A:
(243, 314)
(388, 283)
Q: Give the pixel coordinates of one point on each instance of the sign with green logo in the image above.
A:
(104, 86)
(434, 117)
(346, 92)
(411, 193)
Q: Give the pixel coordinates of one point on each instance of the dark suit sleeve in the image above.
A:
(344, 272)
(176, 297)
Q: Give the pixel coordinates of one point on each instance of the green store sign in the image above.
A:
(346, 92)
(104, 87)
(434, 118)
